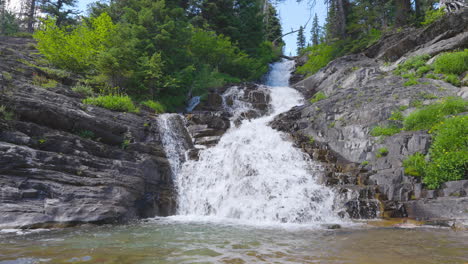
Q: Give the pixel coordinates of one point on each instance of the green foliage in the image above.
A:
(311, 140)
(121, 103)
(156, 106)
(6, 114)
(43, 81)
(382, 152)
(412, 63)
(318, 97)
(385, 131)
(75, 49)
(423, 70)
(364, 163)
(83, 90)
(433, 15)
(318, 57)
(415, 165)
(7, 76)
(448, 154)
(396, 116)
(432, 76)
(430, 115)
(125, 144)
(452, 63)
(453, 79)
(9, 23)
(411, 82)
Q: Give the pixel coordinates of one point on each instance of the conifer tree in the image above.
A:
(301, 41)
(315, 32)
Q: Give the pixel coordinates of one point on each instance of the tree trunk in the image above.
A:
(31, 15)
(403, 9)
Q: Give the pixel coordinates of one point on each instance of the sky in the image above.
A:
(292, 15)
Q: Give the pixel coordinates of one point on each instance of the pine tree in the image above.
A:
(315, 32)
(301, 41)
(58, 9)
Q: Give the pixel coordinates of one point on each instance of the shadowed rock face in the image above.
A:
(62, 162)
(362, 92)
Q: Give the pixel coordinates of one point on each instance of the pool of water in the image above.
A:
(169, 240)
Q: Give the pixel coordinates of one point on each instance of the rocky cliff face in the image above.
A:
(362, 92)
(65, 162)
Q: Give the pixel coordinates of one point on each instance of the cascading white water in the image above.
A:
(173, 137)
(255, 174)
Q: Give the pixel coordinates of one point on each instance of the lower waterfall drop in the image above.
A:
(255, 174)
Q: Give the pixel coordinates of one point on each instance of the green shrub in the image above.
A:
(411, 82)
(430, 115)
(432, 76)
(412, 63)
(415, 165)
(83, 90)
(448, 154)
(318, 57)
(156, 106)
(382, 152)
(385, 131)
(453, 79)
(423, 70)
(432, 15)
(365, 163)
(318, 97)
(452, 63)
(121, 103)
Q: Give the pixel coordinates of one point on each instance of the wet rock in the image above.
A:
(64, 163)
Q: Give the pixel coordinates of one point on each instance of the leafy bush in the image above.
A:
(83, 90)
(452, 63)
(156, 106)
(121, 103)
(415, 165)
(318, 57)
(75, 49)
(385, 131)
(432, 15)
(318, 97)
(453, 79)
(412, 64)
(430, 115)
(448, 154)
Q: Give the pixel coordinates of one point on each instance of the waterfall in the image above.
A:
(175, 139)
(255, 173)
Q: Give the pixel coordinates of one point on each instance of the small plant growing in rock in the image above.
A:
(385, 131)
(415, 165)
(432, 76)
(411, 82)
(452, 63)
(427, 96)
(364, 163)
(86, 134)
(83, 90)
(453, 79)
(125, 144)
(318, 97)
(332, 124)
(412, 63)
(396, 116)
(42, 141)
(5, 114)
(311, 140)
(382, 152)
(43, 81)
(7, 76)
